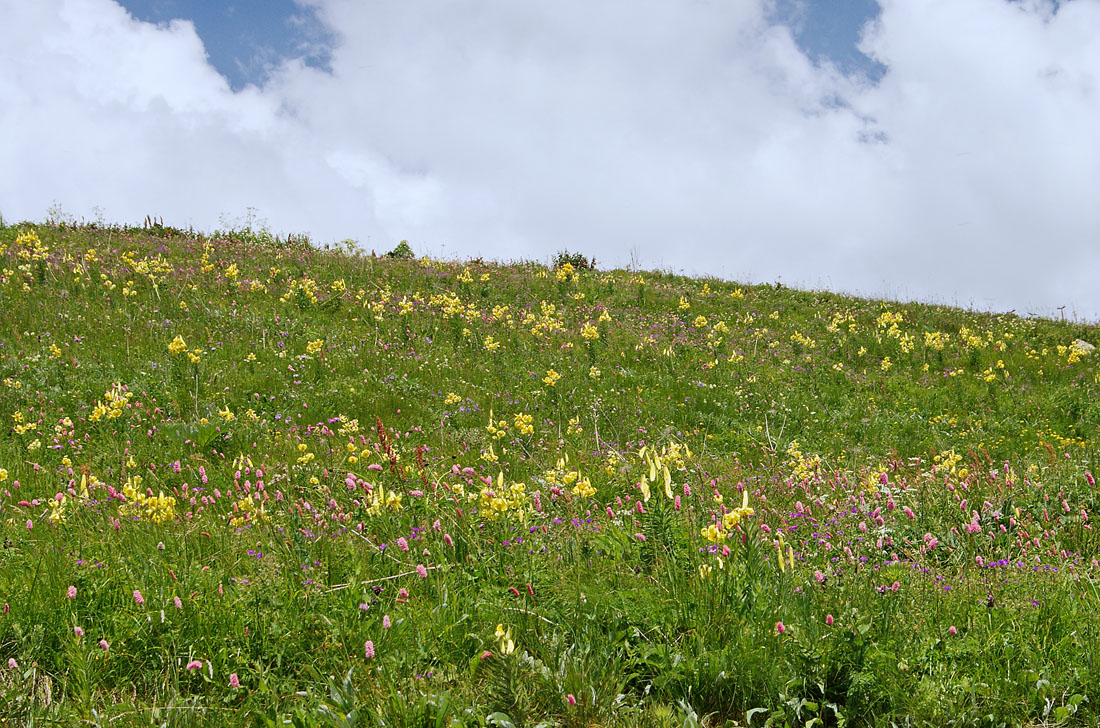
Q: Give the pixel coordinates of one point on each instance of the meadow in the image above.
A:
(254, 481)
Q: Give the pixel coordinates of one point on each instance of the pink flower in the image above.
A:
(234, 681)
(486, 654)
(952, 631)
(829, 619)
(30, 524)
(104, 645)
(402, 543)
(422, 571)
(178, 602)
(779, 628)
(570, 699)
(368, 649)
(78, 631)
(448, 540)
(71, 593)
(12, 664)
(386, 622)
(138, 599)
(194, 665)
(640, 536)
(403, 594)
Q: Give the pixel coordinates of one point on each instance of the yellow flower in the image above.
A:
(552, 377)
(589, 332)
(507, 645)
(315, 346)
(712, 533)
(177, 345)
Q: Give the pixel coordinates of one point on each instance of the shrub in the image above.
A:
(577, 260)
(401, 252)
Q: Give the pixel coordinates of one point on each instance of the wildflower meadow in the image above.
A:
(254, 481)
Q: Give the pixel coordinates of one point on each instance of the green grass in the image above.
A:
(637, 476)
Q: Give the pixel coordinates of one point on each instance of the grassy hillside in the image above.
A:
(252, 481)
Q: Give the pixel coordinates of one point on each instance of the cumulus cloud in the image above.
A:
(696, 136)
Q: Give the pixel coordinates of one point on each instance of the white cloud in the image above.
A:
(695, 135)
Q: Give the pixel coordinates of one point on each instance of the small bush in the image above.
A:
(577, 260)
(401, 252)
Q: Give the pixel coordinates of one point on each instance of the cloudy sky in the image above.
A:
(942, 150)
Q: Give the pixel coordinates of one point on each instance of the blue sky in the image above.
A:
(245, 39)
(745, 139)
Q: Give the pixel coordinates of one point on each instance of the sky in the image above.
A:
(935, 150)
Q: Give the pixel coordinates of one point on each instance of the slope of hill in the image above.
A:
(254, 478)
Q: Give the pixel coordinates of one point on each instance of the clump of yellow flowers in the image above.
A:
(158, 509)
(116, 398)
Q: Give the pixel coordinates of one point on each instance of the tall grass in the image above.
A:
(247, 480)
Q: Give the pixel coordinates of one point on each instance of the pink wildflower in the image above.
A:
(194, 665)
(138, 598)
(829, 619)
(570, 699)
(78, 631)
(402, 543)
(386, 624)
(12, 664)
(234, 681)
(422, 571)
(71, 593)
(104, 645)
(779, 628)
(368, 650)
(951, 630)
(178, 602)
